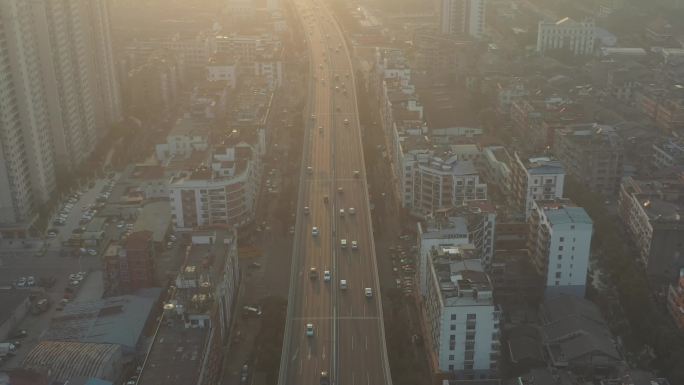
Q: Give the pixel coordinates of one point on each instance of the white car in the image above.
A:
(343, 284)
(92, 252)
(326, 276)
(309, 170)
(369, 292)
(352, 211)
(355, 245)
(346, 121)
(306, 210)
(30, 281)
(21, 282)
(314, 231)
(309, 330)
(343, 243)
(341, 212)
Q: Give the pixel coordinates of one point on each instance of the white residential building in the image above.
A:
(224, 194)
(460, 315)
(434, 179)
(559, 243)
(186, 136)
(223, 70)
(577, 37)
(538, 178)
(463, 17)
(470, 227)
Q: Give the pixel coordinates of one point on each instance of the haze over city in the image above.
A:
(341, 192)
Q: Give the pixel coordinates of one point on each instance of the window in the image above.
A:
(472, 317)
(452, 337)
(451, 357)
(451, 368)
(558, 274)
(562, 239)
(560, 248)
(452, 327)
(453, 317)
(470, 355)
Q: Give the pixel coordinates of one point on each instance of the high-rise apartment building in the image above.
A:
(463, 17)
(538, 178)
(592, 154)
(460, 316)
(59, 96)
(559, 243)
(27, 174)
(577, 37)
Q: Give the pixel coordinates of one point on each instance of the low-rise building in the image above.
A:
(186, 136)
(460, 316)
(537, 178)
(195, 325)
(559, 243)
(130, 265)
(592, 155)
(120, 320)
(65, 362)
(576, 337)
(651, 211)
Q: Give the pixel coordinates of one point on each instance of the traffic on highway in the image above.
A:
(334, 332)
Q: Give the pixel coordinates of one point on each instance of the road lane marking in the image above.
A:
(366, 342)
(367, 378)
(352, 342)
(308, 357)
(329, 318)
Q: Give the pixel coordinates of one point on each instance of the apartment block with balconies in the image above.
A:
(222, 194)
(651, 211)
(536, 178)
(593, 155)
(460, 316)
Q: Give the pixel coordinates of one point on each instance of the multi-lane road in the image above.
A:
(348, 341)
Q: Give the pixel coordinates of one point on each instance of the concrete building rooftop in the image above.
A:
(156, 218)
(176, 355)
(461, 278)
(561, 211)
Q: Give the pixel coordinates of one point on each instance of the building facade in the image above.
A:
(433, 181)
(593, 155)
(568, 34)
(675, 300)
(460, 316)
(463, 17)
(559, 244)
(650, 210)
(27, 174)
(223, 194)
(539, 178)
